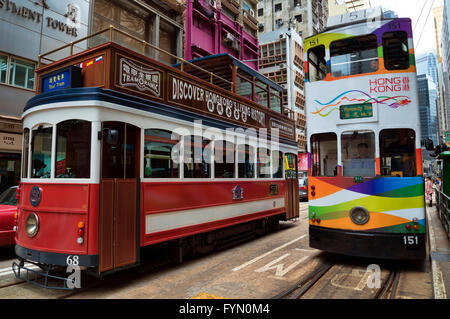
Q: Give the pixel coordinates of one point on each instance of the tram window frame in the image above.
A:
(246, 162)
(359, 148)
(277, 172)
(189, 158)
(224, 161)
(406, 139)
(155, 137)
(318, 169)
(46, 129)
(354, 47)
(263, 163)
(390, 53)
(77, 149)
(26, 151)
(318, 63)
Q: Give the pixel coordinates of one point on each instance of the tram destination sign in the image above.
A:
(356, 111)
(68, 77)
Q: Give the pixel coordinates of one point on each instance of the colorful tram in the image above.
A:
(365, 164)
(122, 151)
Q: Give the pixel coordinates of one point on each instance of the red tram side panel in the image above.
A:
(174, 210)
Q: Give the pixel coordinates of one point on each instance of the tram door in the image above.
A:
(118, 220)
(292, 195)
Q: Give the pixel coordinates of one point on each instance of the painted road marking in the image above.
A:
(267, 253)
(280, 270)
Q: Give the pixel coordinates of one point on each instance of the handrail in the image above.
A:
(111, 29)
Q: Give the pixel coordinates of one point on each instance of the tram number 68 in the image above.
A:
(410, 240)
(72, 260)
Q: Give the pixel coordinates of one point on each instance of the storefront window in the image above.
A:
(3, 66)
(21, 73)
(41, 151)
(73, 149)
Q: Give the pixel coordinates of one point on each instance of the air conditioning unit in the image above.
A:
(252, 13)
(229, 38)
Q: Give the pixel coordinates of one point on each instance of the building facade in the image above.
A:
(27, 29)
(307, 17)
(31, 28)
(428, 108)
(222, 26)
(281, 60)
(445, 46)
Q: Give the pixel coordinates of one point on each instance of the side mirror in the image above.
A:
(112, 137)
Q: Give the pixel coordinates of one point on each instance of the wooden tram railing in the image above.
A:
(122, 68)
(111, 32)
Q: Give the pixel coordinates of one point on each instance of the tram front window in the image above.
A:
(73, 149)
(358, 153)
(397, 152)
(317, 64)
(41, 151)
(324, 154)
(354, 56)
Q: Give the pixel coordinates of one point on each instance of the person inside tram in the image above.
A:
(373, 65)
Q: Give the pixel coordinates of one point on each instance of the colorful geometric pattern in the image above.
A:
(392, 203)
(393, 102)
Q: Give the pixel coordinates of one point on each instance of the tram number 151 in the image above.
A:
(411, 240)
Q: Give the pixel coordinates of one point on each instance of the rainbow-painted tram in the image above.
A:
(122, 151)
(365, 164)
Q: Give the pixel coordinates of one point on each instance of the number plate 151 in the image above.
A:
(411, 240)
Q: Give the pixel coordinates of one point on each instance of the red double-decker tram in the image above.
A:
(122, 151)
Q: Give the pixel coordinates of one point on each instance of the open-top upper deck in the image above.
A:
(112, 66)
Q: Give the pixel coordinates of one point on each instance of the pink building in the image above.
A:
(222, 26)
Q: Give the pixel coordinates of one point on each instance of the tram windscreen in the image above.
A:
(397, 152)
(73, 149)
(324, 154)
(358, 153)
(354, 56)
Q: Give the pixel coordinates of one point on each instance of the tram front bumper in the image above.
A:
(370, 245)
(58, 259)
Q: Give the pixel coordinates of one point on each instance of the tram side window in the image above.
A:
(317, 65)
(324, 154)
(277, 164)
(263, 162)
(223, 159)
(41, 151)
(246, 161)
(26, 149)
(159, 152)
(197, 157)
(73, 149)
(395, 50)
(397, 152)
(354, 56)
(358, 153)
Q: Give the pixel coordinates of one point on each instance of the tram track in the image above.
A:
(389, 287)
(307, 282)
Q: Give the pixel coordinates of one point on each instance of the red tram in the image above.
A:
(122, 151)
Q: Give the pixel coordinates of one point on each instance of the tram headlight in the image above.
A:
(359, 215)
(32, 225)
